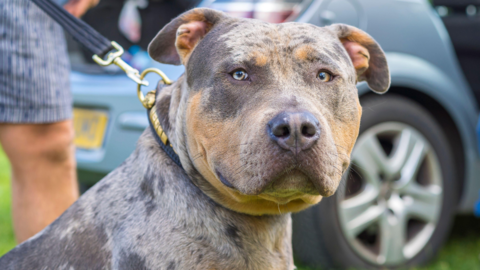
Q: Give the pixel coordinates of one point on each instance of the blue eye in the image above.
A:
(324, 76)
(240, 75)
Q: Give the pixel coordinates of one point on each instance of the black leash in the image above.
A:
(100, 46)
(84, 34)
(80, 31)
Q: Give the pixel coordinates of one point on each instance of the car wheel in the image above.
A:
(394, 208)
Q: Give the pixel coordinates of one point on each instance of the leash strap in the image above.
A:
(80, 31)
(100, 46)
(158, 132)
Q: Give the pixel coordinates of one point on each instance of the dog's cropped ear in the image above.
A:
(367, 56)
(176, 41)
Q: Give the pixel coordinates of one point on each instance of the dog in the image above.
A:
(263, 121)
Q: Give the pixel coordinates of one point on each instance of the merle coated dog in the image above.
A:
(263, 120)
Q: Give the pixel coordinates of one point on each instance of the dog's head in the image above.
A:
(266, 115)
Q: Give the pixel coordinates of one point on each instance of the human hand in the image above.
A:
(78, 7)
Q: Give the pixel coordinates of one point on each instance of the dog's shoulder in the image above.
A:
(66, 242)
(125, 199)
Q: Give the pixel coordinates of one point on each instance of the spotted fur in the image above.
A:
(229, 208)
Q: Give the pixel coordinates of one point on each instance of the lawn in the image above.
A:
(6, 233)
(462, 251)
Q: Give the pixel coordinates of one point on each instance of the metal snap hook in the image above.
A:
(149, 100)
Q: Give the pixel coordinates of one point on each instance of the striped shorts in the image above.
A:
(34, 66)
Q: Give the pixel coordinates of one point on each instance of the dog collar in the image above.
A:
(160, 135)
(148, 101)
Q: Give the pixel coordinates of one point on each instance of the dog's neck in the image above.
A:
(171, 104)
(245, 235)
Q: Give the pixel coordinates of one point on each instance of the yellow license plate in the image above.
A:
(90, 126)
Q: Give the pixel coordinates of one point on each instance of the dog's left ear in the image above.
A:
(176, 41)
(367, 56)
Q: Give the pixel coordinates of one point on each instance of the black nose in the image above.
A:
(294, 131)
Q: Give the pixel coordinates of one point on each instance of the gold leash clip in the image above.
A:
(149, 100)
(114, 58)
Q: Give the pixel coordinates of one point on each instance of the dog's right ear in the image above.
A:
(176, 41)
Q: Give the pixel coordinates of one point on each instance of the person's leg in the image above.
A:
(43, 165)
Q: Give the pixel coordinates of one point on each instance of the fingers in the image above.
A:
(78, 7)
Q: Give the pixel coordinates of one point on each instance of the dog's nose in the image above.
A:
(294, 131)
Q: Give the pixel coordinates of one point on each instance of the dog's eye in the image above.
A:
(324, 76)
(240, 75)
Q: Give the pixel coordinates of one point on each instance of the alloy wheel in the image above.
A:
(392, 198)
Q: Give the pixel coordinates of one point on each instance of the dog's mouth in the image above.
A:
(224, 180)
(278, 175)
(290, 185)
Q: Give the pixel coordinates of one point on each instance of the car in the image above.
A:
(416, 163)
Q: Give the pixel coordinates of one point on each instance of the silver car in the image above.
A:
(416, 162)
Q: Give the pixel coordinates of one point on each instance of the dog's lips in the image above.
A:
(224, 180)
(289, 186)
(290, 183)
(280, 174)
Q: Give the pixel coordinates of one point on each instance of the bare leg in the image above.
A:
(44, 183)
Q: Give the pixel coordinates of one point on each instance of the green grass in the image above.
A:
(7, 241)
(462, 251)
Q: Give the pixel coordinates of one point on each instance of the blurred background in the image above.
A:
(411, 195)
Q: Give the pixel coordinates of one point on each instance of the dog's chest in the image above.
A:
(207, 240)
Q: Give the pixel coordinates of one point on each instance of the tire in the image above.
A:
(323, 235)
